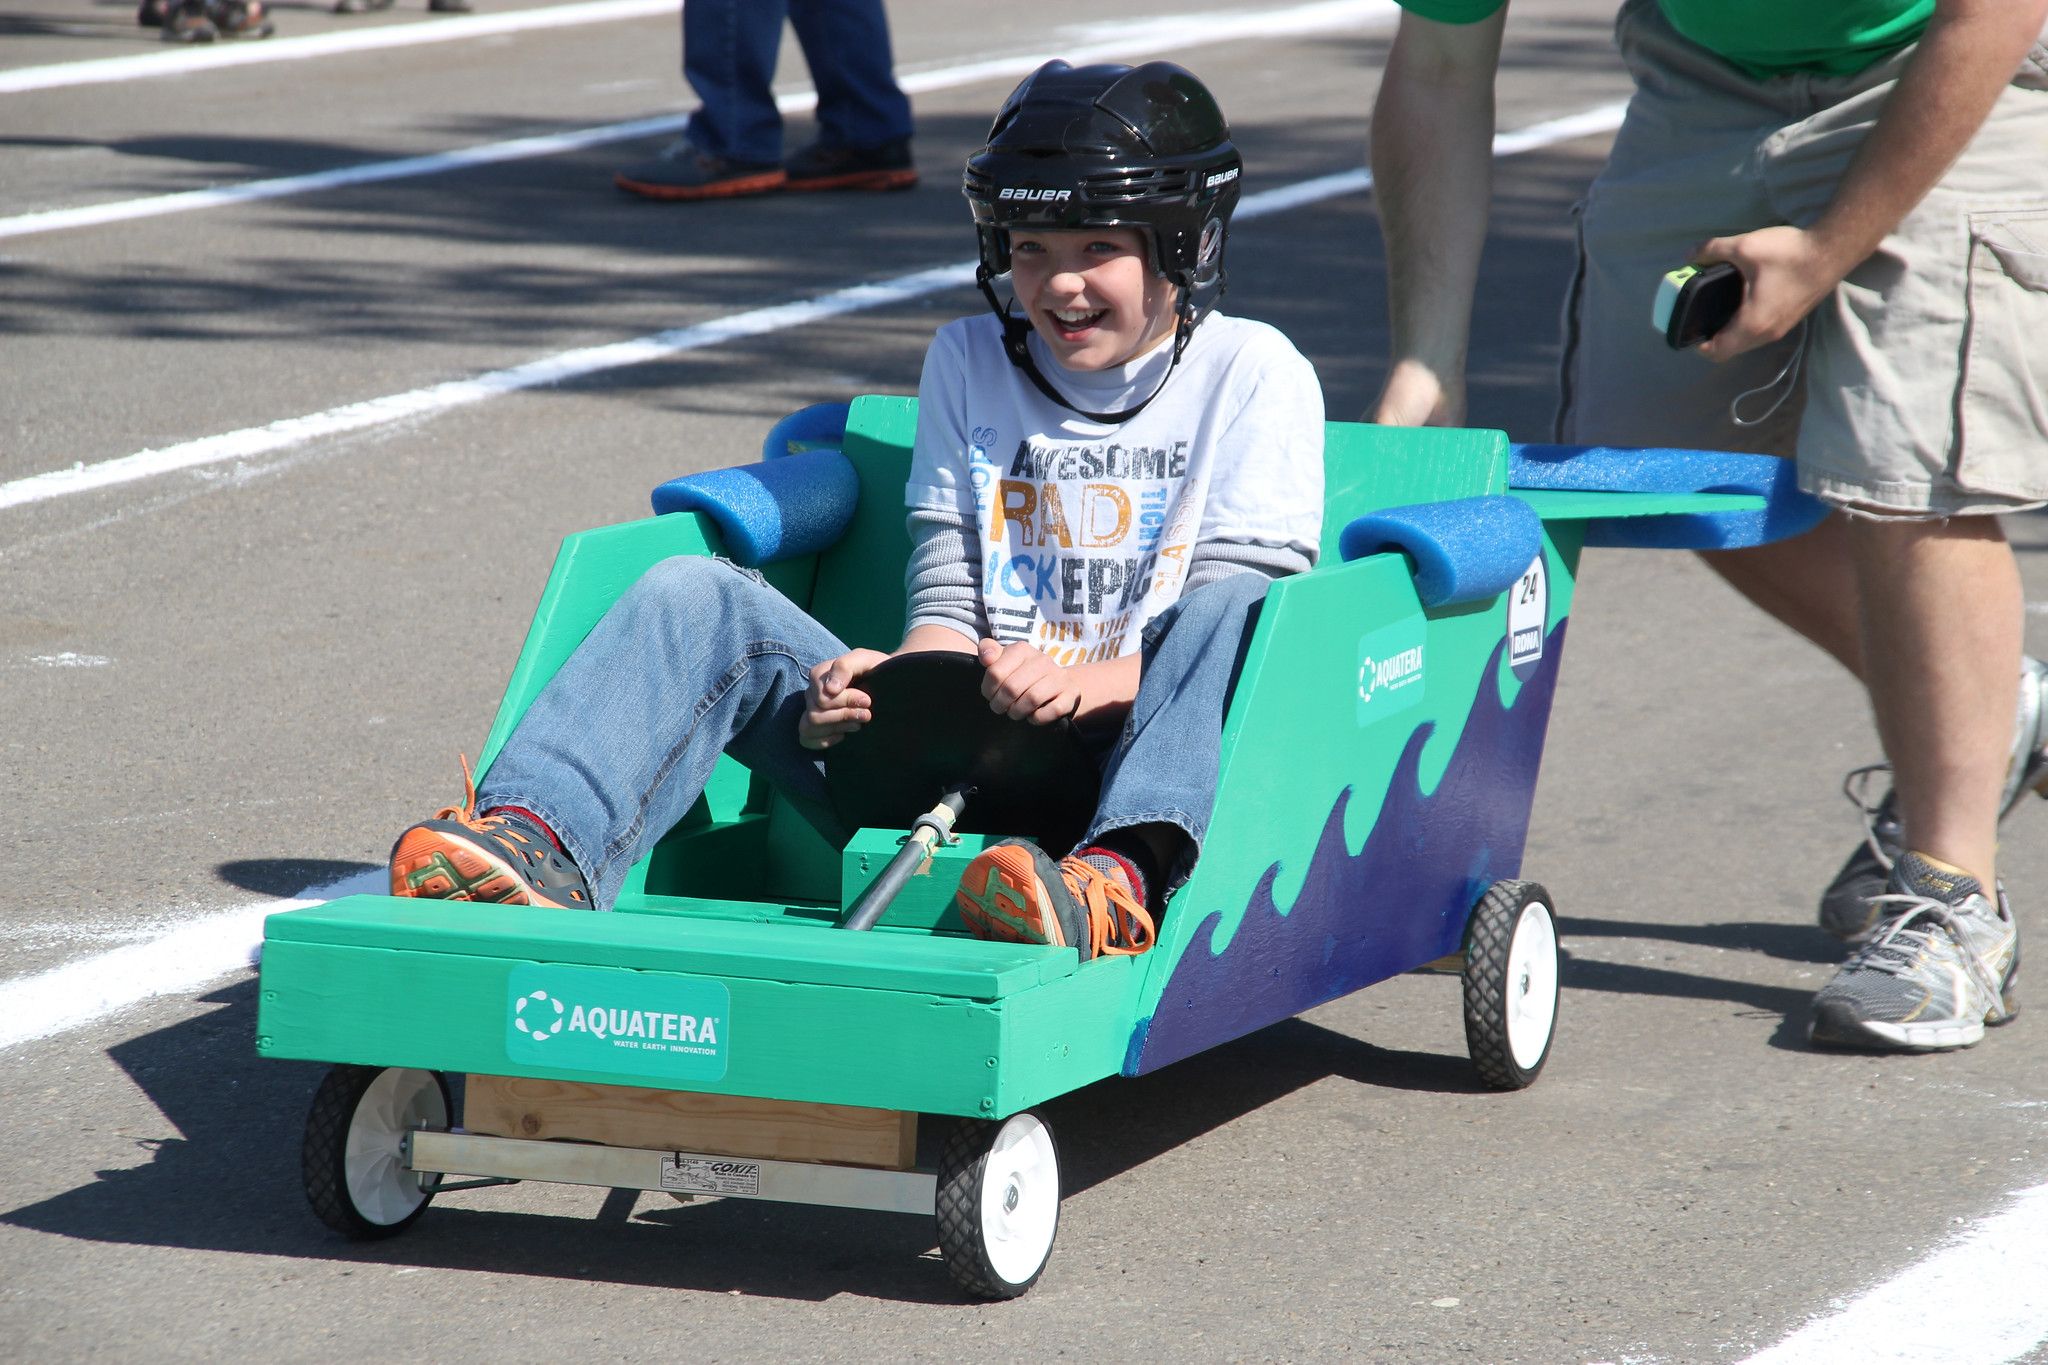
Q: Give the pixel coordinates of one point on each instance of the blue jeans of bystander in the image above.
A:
(729, 53)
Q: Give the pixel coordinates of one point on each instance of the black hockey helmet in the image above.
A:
(1142, 147)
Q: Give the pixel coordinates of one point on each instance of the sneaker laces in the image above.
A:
(1118, 923)
(510, 832)
(466, 812)
(1881, 955)
(1856, 787)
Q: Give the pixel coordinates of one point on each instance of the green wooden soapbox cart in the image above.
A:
(724, 1034)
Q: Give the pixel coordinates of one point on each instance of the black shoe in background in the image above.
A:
(822, 167)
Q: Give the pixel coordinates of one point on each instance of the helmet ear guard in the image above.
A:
(995, 250)
(1204, 282)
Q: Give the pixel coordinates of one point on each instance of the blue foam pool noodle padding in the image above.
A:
(777, 509)
(1658, 469)
(818, 427)
(1464, 550)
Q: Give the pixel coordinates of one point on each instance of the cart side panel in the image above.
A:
(1368, 468)
(591, 570)
(859, 592)
(855, 588)
(1066, 1033)
(1352, 836)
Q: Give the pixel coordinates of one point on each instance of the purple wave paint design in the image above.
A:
(1400, 901)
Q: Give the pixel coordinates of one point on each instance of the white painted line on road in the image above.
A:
(1177, 29)
(1098, 41)
(185, 61)
(185, 959)
(1980, 1300)
(438, 398)
(367, 173)
(455, 393)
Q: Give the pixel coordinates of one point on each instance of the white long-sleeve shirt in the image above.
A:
(1031, 522)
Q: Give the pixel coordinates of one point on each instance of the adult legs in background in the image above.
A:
(1942, 625)
(729, 54)
(846, 45)
(732, 145)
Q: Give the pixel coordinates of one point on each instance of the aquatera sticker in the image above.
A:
(1391, 669)
(591, 1018)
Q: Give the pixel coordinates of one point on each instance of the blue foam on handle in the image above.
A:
(820, 426)
(1464, 550)
(777, 509)
(1656, 469)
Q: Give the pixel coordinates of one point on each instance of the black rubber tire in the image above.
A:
(1489, 934)
(963, 1162)
(323, 1158)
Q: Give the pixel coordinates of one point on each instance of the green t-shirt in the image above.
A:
(1763, 37)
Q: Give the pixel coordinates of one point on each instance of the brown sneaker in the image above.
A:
(1014, 892)
(502, 857)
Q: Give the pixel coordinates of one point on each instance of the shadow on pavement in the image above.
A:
(1793, 943)
(555, 246)
(72, 25)
(1787, 942)
(231, 1182)
(289, 876)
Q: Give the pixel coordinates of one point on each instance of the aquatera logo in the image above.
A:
(600, 1019)
(1392, 666)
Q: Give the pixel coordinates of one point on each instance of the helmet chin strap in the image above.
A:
(1017, 333)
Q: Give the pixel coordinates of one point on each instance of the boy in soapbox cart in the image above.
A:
(1116, 505)
(1100, 491)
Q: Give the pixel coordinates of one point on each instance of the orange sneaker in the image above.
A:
(1013, 891)
(503, 857)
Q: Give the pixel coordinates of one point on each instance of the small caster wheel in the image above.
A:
(1511, 983)
(353, 1160)
(998, 1204)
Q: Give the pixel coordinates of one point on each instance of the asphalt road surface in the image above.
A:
(244, 638)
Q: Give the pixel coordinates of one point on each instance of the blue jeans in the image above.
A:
(700, 657)
(729, 50)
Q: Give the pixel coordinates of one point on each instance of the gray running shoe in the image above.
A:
(1940, 968)
(1847, 908)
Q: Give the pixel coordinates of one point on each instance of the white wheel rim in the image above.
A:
(373, 1158)
(1020, 1198)
(1531, 1005)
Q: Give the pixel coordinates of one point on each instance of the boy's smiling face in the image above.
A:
(1091, 294)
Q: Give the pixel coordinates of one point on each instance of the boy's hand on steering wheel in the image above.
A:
(833, 707)
(1024, 683)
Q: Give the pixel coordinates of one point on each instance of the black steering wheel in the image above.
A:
(933, 730)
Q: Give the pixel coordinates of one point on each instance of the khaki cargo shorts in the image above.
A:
(1920, 387)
